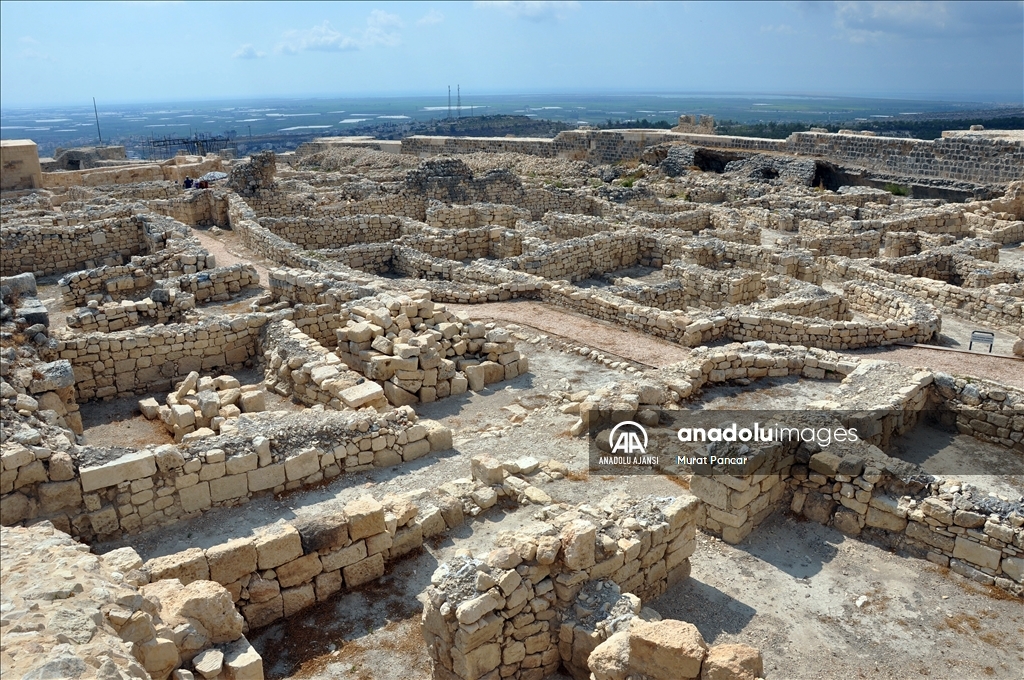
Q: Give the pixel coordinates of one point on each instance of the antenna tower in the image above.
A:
(97, 112)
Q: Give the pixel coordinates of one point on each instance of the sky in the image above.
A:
(67, 53)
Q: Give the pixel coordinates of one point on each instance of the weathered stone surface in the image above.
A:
(732, 662)
(364, 571)
(209, 663)
(667, 649)
(232, 560)
(975, 553)
(186, 566)
(578, 544)
(208, 604)
(299, 571)
(242, 661)
(128, 467)
(322, 531)
(818, 508)
(365, 516)
(277, 544)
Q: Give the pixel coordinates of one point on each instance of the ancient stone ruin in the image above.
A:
(350, 380)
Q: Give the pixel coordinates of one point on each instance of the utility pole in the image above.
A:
(449, 102)
(97, 112)
(458, 92)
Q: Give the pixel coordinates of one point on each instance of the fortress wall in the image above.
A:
(970, 159)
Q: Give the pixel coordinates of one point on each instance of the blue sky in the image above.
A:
(56, 53)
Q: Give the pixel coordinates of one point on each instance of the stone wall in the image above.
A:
(335, 231)
(45, 250)
(518, 620)
(113, 495)
(999, 304)
(132, 174)
(136, 279)
(151, 358)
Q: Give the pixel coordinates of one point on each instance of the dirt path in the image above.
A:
(228, 249)
(576, 328)
(1000, 369)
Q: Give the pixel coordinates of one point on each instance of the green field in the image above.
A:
(133, 125)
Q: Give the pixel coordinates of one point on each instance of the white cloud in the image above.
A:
(430, 18)
(247, 51)
(871, 21)
(782, 29)
(31, 51)
(381, 29)
(533, 10)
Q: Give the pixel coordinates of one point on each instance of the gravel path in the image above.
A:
(582, 330)
(991, 367)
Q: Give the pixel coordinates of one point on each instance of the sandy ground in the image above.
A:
(999, 369)
(792, 589)
(581, 330)
(228, 249)
(118, 422)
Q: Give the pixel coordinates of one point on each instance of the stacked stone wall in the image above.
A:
(150, 358)
(45, 250)
(999, 304)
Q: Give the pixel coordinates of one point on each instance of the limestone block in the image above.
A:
(732, 662)
(884, 520)
(487, 470)
(666, 649)
(209, 663)
(431, 521)
(123, 559)
(322, 531)
(57, 496)
(577, 539)
(195, 498)
(366, 518)
(818, 508)
(208, 604)
(186, 566)
(229, 487)
(406, 540)
(362, 394)
(266, 477)
(232, 560)
(1014, 568)
(344, 557)
(298, 598)
(327, 583)
(975, 553)
(242, 661)
(159, 656)
(299, 571)
(364, 571)
(128, 467)
(263, 612)
(415, 450)
(477, 663)
(253, 402)
(302, 465)
(276, 545)
(439, 436)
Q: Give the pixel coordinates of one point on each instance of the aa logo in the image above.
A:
(626, 438)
